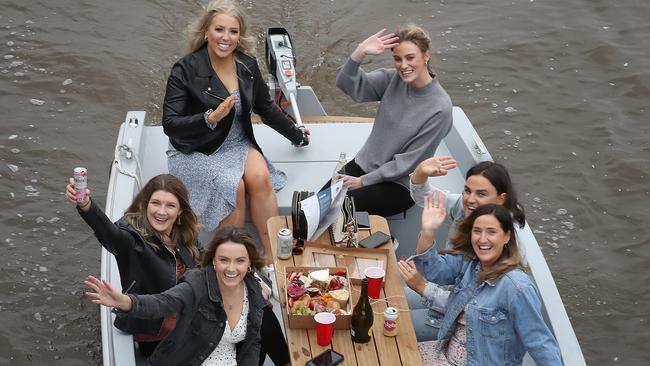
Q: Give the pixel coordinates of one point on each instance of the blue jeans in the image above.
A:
(424, 331)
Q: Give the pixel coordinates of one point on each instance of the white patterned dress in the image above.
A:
(212, 180)
(225, 354)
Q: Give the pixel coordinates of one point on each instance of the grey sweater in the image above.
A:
(409, 125)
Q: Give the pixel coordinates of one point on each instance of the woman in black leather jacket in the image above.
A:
(153, 244)
(211, 93)
(219, 306)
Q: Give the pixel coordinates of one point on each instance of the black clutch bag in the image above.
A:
(298, 219)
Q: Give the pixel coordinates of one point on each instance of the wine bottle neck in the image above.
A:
(364, 289)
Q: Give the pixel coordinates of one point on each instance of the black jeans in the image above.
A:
(273, 342)
(147, 348)
(384, 199)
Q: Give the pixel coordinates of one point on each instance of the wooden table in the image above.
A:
(381, 350)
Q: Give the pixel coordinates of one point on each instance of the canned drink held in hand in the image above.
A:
(80, 176)
(285, 244)
(390, 322)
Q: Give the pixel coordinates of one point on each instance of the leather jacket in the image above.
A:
(150, 271)
(193, 88)
(201, 319)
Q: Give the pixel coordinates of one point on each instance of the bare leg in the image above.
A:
(238, 215)
(262, 197)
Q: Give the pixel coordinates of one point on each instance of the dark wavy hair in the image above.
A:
(461, 242)
(498, 176)
(186, 227)
(236, 235)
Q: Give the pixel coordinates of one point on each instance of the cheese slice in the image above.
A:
(322, 275)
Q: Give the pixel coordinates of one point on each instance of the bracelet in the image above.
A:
(205, 117)
(86, 205)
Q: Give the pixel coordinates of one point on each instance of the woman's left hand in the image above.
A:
(351, 182)
(411, 276)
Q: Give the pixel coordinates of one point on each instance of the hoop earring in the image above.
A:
(250, 270)
(205, 38)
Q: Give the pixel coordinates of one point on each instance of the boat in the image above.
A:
(140, 155)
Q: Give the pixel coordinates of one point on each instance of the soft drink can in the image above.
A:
(80, 176)
(285, 243)
(390, 321)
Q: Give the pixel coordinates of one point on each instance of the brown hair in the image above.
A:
(462, 242)
(498, 176)
(184, 233)
(418, 37)
(236, 235)
(196, 32)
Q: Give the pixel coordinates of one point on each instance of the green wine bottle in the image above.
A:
(362, 316)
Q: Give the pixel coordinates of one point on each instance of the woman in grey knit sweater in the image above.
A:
(413, 117)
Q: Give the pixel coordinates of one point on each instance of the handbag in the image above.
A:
(298, 219)
(344, 230)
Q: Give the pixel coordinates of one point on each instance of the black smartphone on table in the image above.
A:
(363, 220)
(328, 358)
(374, 240)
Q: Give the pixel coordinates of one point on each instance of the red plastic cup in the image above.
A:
(324, 328)
(375, 276)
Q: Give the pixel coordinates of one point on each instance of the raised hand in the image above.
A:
(106, 295)
(433, 215)
(71, 195)
(222, 110)
(433, 167)
(375, 45)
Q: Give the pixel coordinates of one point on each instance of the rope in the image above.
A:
(128, 150)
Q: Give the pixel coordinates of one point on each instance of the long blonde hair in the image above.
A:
(197, 30)
(418, 37)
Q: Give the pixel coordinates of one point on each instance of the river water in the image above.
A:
(559, 92)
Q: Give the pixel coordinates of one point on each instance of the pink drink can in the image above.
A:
(80, 176)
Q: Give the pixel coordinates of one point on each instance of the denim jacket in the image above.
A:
(201, 319)
(504, 318)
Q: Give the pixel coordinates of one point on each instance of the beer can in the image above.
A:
(390, 321)
(80, 176)
(285, 243)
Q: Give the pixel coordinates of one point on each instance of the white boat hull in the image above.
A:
(140, 151)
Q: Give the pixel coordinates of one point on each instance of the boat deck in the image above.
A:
(140, 152)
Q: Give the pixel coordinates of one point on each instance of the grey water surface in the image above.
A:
(558, 90)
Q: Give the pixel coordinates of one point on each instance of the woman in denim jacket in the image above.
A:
(219, 306)
(486, 182)
(493, 316)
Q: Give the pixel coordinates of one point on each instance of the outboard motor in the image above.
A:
(280, 61)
